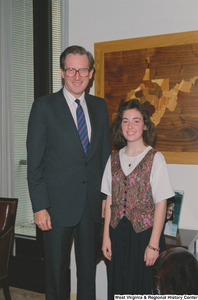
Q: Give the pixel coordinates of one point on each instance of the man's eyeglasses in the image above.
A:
(71, 72)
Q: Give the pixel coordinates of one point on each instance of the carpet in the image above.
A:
(19, 294)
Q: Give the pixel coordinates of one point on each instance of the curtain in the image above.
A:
(6, 103)
(64, 24)
(6, 94)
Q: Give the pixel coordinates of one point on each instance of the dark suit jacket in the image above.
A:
(60, 176)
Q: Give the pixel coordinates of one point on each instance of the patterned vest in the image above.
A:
(132, 194)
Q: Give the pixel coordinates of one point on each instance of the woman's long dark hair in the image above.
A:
(170, 202)
(149, 135)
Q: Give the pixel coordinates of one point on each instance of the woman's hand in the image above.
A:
(150, 256)
(106, 247)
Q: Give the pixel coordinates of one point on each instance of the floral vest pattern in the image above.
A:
(132, 194)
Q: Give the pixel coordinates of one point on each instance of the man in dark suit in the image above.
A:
(64, 173)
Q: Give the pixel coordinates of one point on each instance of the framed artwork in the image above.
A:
(173, 214)
(162, 72)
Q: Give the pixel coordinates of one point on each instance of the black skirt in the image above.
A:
(127, 272)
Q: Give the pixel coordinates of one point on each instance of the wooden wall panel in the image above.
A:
(163, 71)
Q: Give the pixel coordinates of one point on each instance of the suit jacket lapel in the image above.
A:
(92, 113)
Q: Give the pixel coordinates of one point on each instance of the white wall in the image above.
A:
(92, 21)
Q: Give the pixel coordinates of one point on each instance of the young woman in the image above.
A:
(137, 184)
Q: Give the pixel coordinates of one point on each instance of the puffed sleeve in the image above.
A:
(107, 179)
(160, 180)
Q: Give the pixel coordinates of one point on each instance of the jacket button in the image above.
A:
(84, 182)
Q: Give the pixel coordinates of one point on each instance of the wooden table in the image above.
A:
(186, 238)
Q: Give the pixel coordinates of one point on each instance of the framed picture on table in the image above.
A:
(173, 214)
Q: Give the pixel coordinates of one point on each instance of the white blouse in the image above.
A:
(159, 179)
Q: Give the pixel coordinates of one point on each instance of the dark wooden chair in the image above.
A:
(8, 207)
(175, 272)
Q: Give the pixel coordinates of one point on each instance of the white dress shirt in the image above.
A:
(70, 99)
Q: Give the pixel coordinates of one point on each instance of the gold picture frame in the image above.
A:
(120, 67)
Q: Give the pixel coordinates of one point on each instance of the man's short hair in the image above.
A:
(76, 50)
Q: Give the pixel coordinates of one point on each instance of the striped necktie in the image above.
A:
(82, 127)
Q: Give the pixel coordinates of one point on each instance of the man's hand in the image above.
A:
(42, 219)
